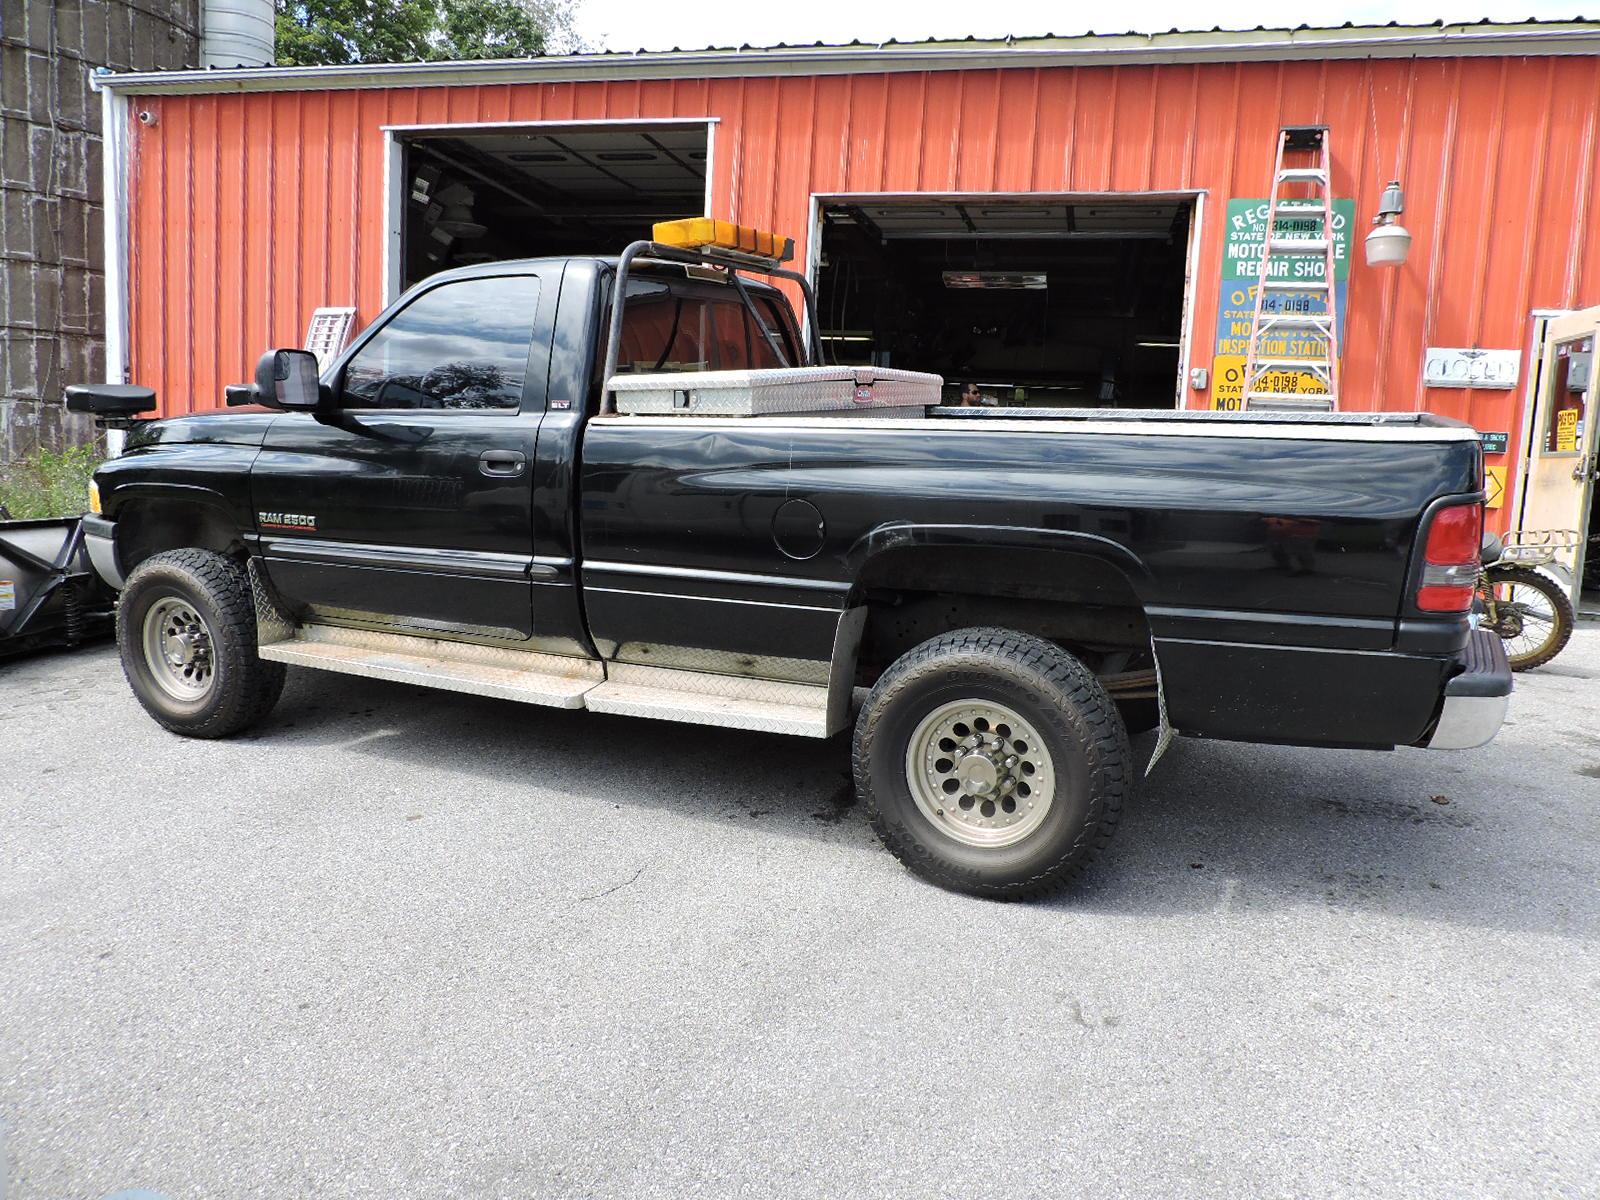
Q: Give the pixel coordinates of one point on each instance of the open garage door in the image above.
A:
(1044, 302)
(474, 194)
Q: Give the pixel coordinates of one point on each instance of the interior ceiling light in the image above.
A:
(1003, 280)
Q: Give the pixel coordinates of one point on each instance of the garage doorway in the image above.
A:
(466, 194)
(1039, 301)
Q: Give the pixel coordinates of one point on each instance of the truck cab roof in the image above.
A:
(606, 263)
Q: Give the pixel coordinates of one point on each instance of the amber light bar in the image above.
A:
(707, 233)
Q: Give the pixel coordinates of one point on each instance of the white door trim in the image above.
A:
(1533, 354)
(394, 138)
(114, 235)
(1196, 196)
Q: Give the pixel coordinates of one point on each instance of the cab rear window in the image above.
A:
(667, 330)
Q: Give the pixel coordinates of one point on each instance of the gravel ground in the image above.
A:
(401, 943)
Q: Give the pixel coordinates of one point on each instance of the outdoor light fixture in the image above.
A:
(1389, 242)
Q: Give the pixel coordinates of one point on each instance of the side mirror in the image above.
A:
(287, 379)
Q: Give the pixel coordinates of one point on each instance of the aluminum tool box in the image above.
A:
(779, 390)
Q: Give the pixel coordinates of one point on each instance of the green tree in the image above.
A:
(313, 32)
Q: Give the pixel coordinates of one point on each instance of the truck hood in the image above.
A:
(232, 427)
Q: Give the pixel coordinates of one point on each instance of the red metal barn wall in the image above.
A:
(248, 210)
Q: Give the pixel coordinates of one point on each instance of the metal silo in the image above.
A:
(236, 33)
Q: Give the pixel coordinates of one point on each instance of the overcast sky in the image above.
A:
(692, 24)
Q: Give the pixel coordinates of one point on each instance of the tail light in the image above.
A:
(1450, 559)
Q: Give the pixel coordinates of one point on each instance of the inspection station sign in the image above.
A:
(1245, 240)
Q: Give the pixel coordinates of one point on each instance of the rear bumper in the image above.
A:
(1476, 698)
(100, 540)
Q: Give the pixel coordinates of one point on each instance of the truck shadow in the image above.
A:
(1463, 839)
(1218, 828)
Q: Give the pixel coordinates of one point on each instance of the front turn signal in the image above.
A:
(94, 497)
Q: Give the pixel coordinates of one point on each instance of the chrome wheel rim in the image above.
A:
(178, 649)
(981, 773)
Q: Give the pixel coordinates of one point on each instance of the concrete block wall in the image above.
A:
(52, 273)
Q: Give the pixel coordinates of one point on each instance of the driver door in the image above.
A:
(408, 505)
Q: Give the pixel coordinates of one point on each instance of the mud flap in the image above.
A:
(1164, 736)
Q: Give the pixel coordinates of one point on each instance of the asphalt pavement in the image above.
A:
(404, 943)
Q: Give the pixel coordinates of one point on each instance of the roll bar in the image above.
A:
(734, 262)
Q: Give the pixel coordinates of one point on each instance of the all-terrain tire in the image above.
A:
(1564, 618)
(216, 588)
(1050, 690)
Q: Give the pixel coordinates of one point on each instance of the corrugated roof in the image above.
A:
(1043, 39)
(1578, 35)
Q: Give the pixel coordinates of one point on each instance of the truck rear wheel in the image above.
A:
(992, 763)
(186, 628)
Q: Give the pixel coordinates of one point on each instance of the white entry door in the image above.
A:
(1562, 460)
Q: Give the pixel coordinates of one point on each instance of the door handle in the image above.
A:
(502, 463)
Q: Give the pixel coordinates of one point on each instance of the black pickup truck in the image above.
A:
(993, 598)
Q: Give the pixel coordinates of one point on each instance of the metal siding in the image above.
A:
(898, 157)
(200, 133)
(249, 210)
(1016, 109)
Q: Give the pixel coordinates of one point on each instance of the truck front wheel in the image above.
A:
(992, 762)
(186, 628)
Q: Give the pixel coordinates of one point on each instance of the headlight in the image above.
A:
(94, 497)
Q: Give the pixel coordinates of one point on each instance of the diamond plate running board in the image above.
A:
(509, 674)
(699, 698)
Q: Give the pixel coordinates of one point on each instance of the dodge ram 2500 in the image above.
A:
(992, 598)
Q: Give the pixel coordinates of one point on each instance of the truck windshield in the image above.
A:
(704, 329)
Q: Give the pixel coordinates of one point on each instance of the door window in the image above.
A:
(460, 346)
(1569, 380)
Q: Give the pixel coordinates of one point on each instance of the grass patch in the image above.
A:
(48, 483)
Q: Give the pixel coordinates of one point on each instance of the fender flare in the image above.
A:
(183, 494)
(208, 504)
(903, 534)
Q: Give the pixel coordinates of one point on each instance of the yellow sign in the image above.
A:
(1494, 486)
(1227, 382)
(1567, 430)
